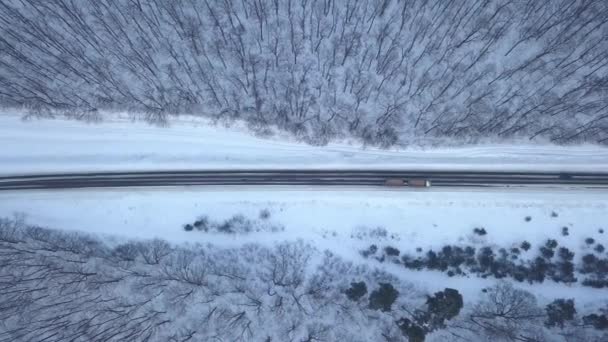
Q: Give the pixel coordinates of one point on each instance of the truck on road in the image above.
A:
(416, 182)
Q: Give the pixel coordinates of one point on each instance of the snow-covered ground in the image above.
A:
(343, 220)
(118, 144)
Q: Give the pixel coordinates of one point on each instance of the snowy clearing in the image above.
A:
(59, 145)
(342, 221)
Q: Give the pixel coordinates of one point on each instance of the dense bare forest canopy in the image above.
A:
(387, 72)
(68, 286)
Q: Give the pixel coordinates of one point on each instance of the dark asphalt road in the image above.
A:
(300, 177)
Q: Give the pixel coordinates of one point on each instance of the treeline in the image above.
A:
(385, 71)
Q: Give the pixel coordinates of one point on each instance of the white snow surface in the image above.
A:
(123, 144)
(342, 220)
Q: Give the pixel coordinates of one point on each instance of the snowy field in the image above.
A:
(60, 145)
(344, 221)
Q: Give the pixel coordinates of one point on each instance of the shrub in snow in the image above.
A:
(590, 263)
(442, 306)
(559, 311)
(413, 263)
(565, 231)
(553, 214)
(599, 248)
(485, 258)
(202, 223)
(599, 322)
(552, 262)
(371, 250)
(590, 241)
(265, 214)
(547, 253)
(356, 291)
(525, 245)
(528, 218)
(237, 224)
(439, 308)
(188, 227)
(538, 269)
(378, 233)
(391, 251)
(564, 268)
(595, 283)
(596, 270)
(411, 330)
(480, 231)
(565, 254)
(383, 297)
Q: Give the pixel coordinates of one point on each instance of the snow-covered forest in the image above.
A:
(67, 286)
(386, 72)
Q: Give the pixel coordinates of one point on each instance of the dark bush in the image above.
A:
(265, 214)
(559, 311)
(547, 253)
(391, 251)
(188, 227)
(537, 270)
(528, 218)
(371, 250)
(520, 273)
(599, 322)
(383, 298)
(595, 283)
(551, 243)
(356, 291)
(202, 223)
(416, 264)
(485, 258)
(525, 245)
(590, 241)
(564, 268)
(565, 254)
(480, 231)
(565, 231)
(412, 331)
(235, 224)
(589, 263)
(553, 214)
(442, 306)
(599, 248)
(433, 262)
(565, 272)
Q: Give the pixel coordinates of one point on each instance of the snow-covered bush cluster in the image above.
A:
(237, 224)
(385, 71)
(549, 262)
(60, 286)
